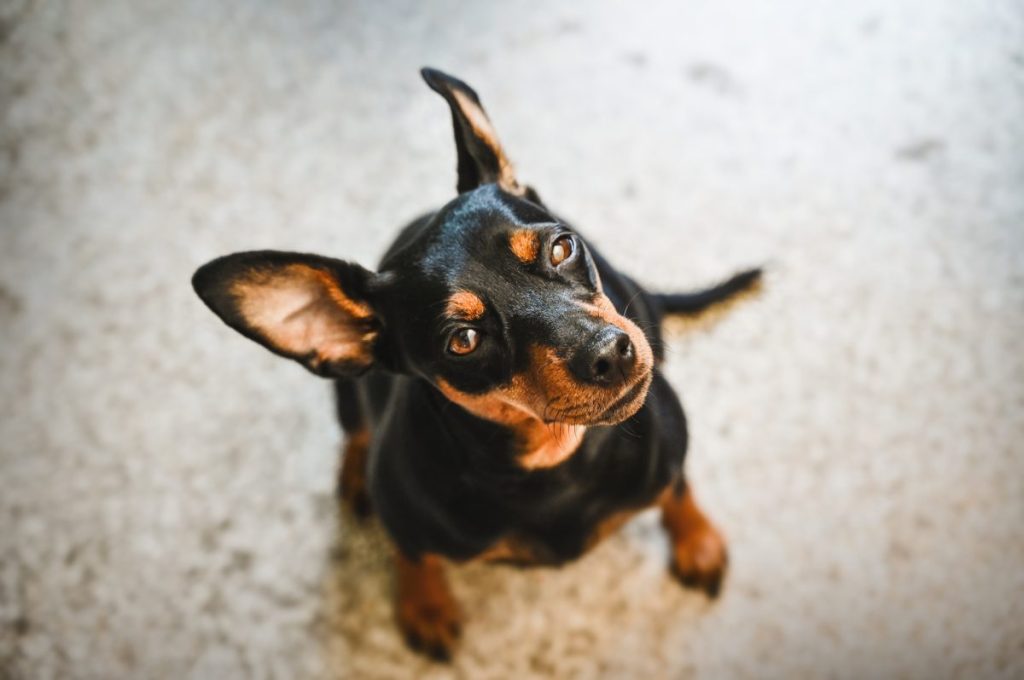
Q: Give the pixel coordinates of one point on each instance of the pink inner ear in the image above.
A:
(302, 311)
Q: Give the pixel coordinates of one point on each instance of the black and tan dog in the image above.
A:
(497, 382)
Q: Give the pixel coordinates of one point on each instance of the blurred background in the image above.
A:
(166, 487)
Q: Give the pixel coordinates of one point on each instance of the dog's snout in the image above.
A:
(608, 360)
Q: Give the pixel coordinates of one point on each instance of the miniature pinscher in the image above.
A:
(497, 381)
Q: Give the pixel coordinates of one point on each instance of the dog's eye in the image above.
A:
(463, 341)
(561, 250)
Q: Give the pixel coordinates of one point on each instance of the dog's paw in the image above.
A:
(700, 560)
(431, 623)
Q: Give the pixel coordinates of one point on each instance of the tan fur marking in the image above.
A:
(551, 444)
(519, 406)
(565, 395)
(525, 243)
(352, 481)
(505, 405)
(570, 401)
(483, 129)
(425, 608)
(699, 556)
(465, 305)
(358, 310)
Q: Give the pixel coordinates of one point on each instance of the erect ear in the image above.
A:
(481, 158)
(305, 307)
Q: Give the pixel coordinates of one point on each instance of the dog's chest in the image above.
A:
(574, 515)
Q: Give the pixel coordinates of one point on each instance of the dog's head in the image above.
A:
(492, 299)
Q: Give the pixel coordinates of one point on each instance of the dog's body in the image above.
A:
(444, 481)
(497, 381)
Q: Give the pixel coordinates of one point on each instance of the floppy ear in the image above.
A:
(481, 158)
(305, 307)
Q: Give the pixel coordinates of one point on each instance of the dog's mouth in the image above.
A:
(623, 406)
(629, 403)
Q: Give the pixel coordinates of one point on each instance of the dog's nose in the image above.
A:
(608, 360)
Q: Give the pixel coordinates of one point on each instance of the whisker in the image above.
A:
(626, 308)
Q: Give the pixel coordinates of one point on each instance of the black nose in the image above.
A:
(607, 360)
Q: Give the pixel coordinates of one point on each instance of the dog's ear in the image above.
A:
(481, 158)
(313, 309)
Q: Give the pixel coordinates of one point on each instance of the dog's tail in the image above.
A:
(691, 304)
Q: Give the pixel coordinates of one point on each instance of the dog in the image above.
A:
(497, 381)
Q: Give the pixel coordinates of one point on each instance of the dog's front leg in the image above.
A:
(699, 556)
(352, 480)
(427, 613)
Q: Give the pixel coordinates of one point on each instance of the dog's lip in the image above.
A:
(631, 395)
(614, 413)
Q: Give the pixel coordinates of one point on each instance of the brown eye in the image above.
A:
(561, 250)
(463, 341)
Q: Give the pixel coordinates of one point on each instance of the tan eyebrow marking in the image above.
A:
(524, 244)
(465, 305)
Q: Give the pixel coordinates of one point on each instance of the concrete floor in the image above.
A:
(166, 486)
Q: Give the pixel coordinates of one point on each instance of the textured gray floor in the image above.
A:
(165, 486)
